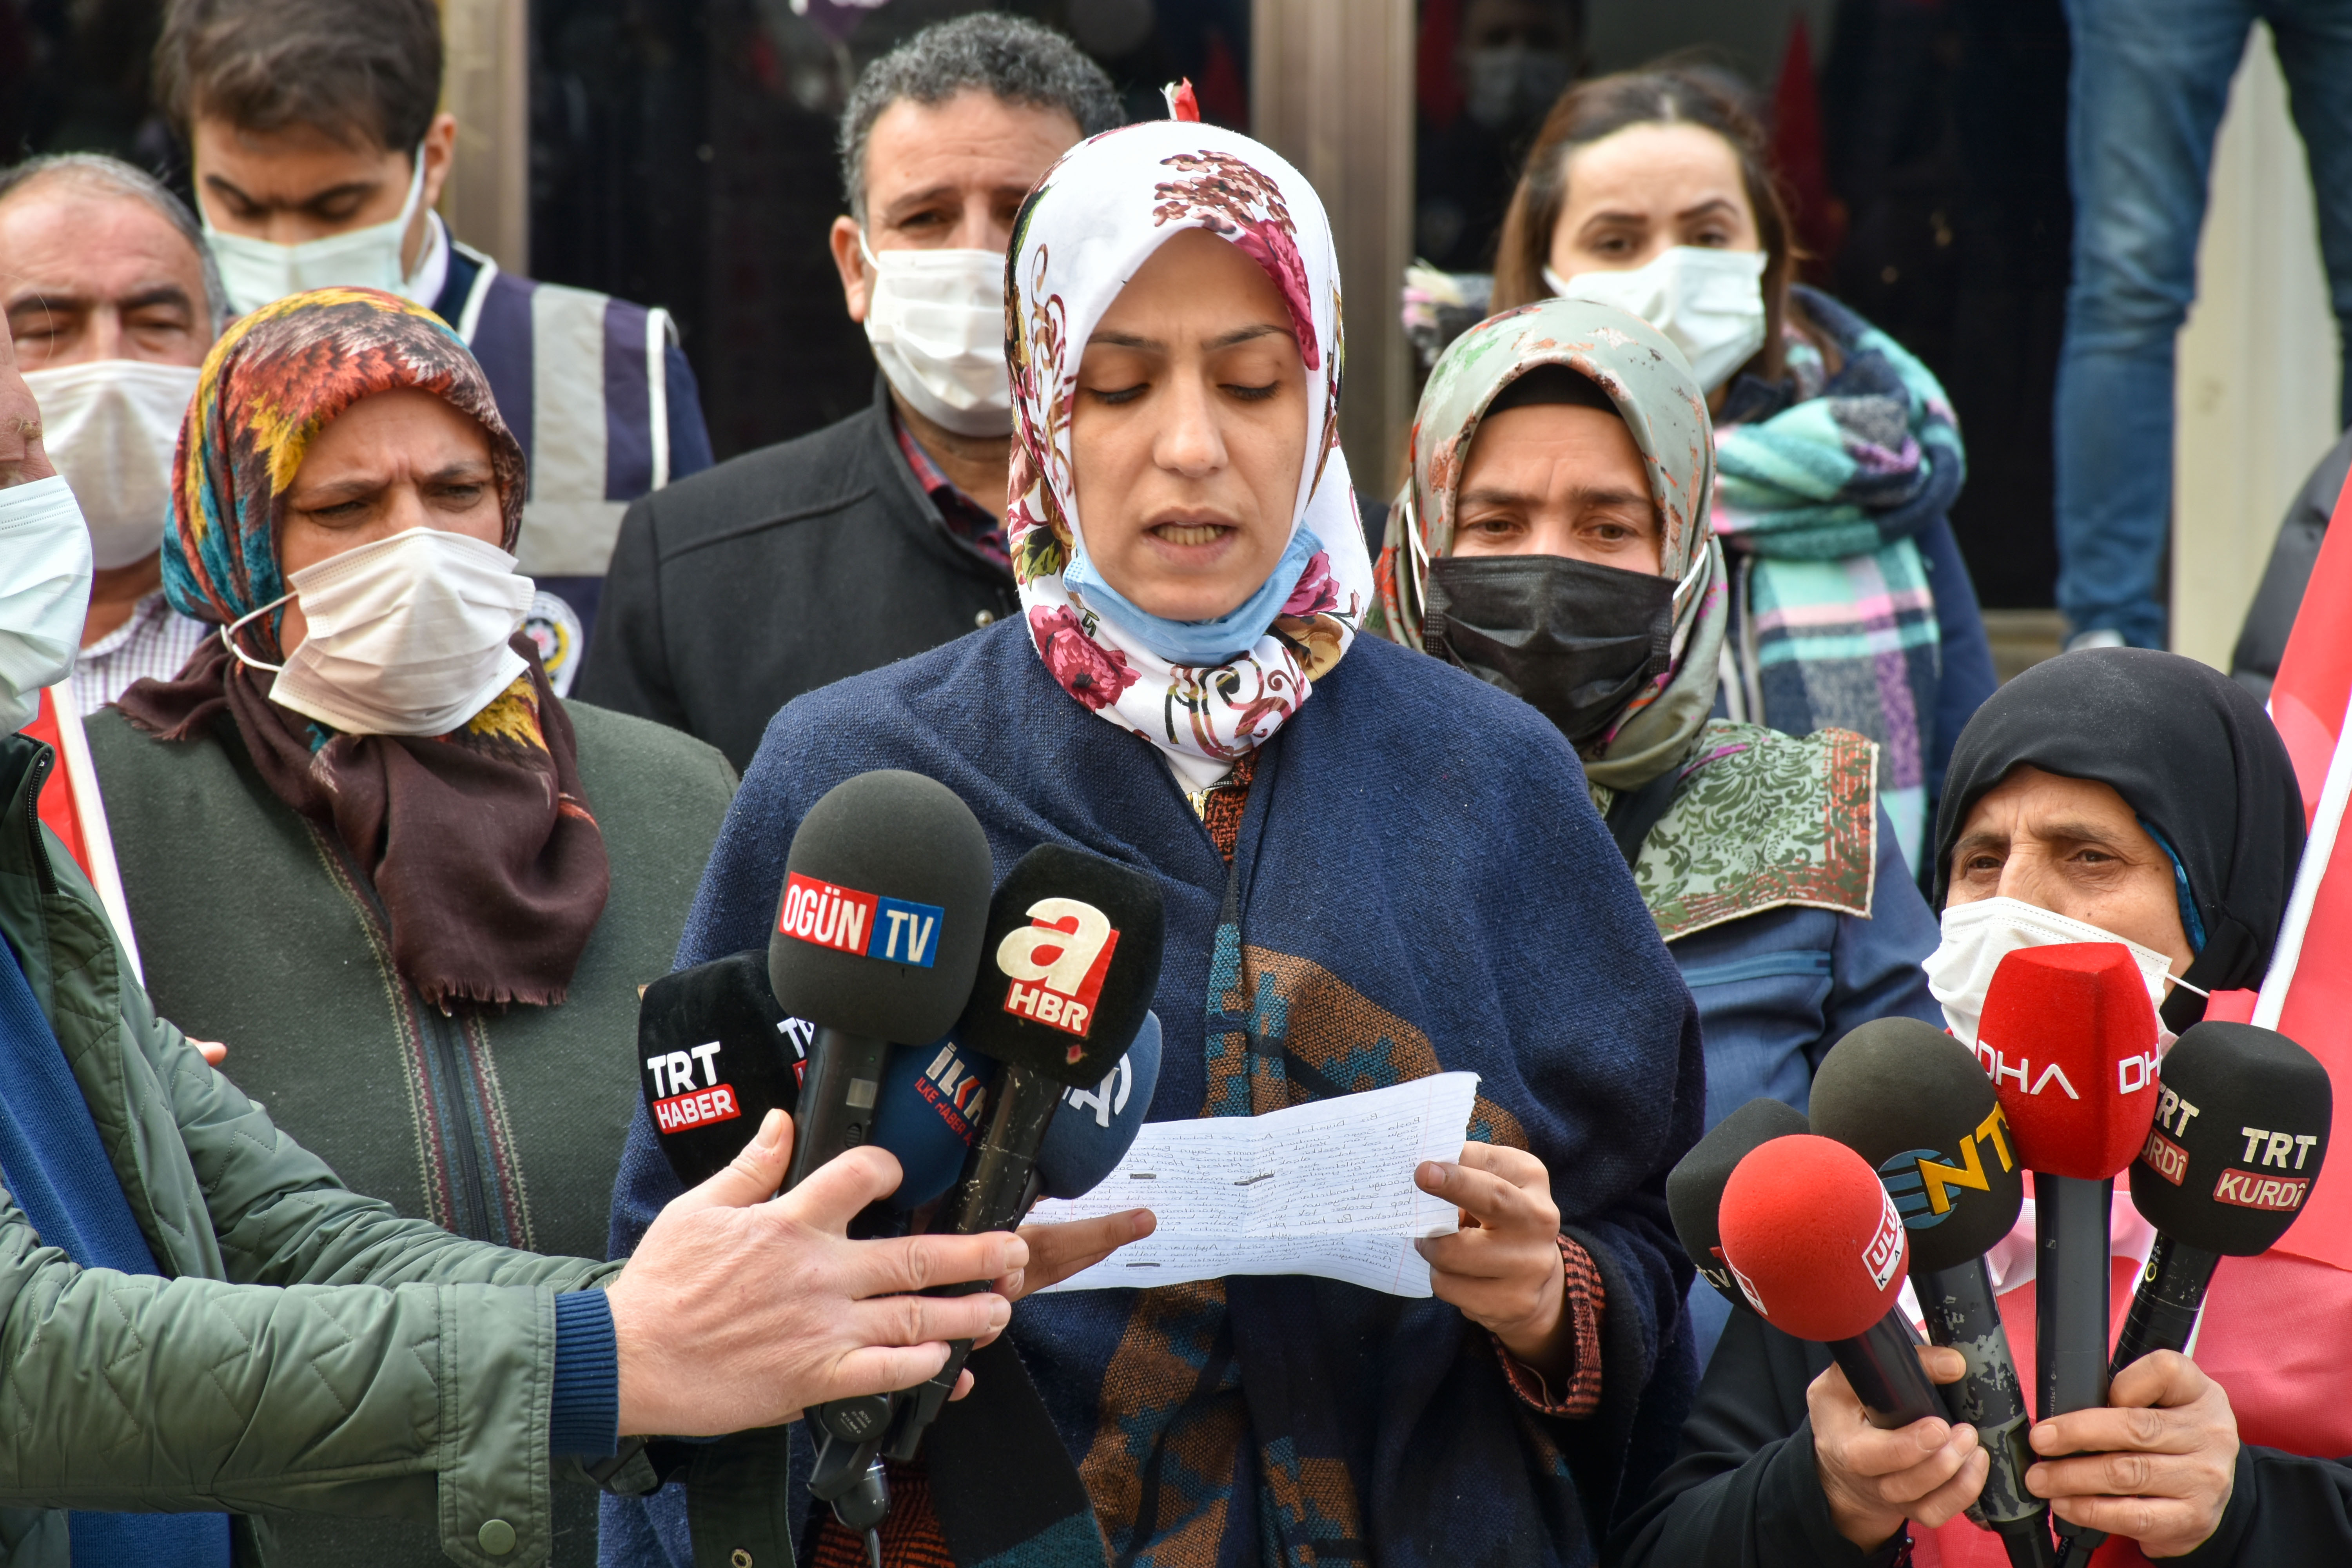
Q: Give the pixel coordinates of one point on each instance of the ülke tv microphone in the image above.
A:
(876, 939)
(1915, 1104)
(1813, 1242)
(1695, 1186)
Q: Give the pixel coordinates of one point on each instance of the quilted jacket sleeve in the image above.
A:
(314, 1351)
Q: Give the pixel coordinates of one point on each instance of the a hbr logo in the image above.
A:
(2132, 1073)
(1057, 964)
(898, 931)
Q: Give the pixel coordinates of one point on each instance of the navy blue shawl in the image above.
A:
(1422, 885)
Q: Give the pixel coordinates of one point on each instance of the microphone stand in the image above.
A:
(1961, 1314)
(2069, 1218)
(1881, 1365)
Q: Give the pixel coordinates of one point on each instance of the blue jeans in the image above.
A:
(2150, 78)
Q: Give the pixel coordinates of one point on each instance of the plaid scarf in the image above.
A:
(1822, 482)
(480, 843)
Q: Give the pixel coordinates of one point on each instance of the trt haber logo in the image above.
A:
(686, 1102)
(1056, 964)
(1884, 1255)
(897, 931)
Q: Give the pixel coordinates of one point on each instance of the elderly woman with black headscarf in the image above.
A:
(2107, 796)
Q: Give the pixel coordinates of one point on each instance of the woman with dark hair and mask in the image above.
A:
(1549, 542)
(1374, 870)
(2107, 795)
(360, 815)
(1837, 455)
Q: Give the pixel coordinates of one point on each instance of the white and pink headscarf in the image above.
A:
(1094, 220)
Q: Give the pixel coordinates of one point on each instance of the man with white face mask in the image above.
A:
(112, 302)
(318, 150)
(881, 535)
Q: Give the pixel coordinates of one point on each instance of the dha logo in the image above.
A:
(949, 1084)
(1056, 964)
(1884, 1255)
(683, 1103)
(1997, 1068)
(1921, 1182)
(1108, 1097)
(898, 931)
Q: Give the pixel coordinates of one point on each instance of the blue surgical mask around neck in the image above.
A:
(1194, 642)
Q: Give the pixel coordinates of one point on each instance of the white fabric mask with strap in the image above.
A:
(1978, 936)
(255, 272)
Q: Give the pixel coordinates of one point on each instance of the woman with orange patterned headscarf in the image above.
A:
(359, 814)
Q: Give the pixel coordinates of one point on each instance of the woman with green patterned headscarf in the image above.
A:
(1552, 541)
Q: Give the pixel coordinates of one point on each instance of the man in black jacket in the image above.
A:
(883, 535)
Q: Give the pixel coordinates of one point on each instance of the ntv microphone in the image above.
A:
(1814, 1243)
(876, 938)
(1915, 1104)
(716, 1054)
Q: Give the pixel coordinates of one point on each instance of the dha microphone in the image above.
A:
(2241, 1122)
(876, 939)
(1815, 1244)
(2069, 1038)
(1915, 1104)
(1695, 1186)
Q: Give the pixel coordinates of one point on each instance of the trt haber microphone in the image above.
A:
(1814, 1243)
(876, 938)
(2241, 1121)
(1695, 1186)
(1915, 1104)
(2068, 1038)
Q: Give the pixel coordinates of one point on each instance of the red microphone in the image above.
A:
(1815, 1244)
(2069, 1036)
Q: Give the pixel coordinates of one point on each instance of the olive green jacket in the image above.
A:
(308, 1350)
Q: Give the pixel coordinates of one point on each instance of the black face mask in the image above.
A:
(1574, 640)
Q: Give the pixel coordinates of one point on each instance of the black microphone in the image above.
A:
(876, 938)
(1916, 1106)
(1695, 1186)
(1074, 944)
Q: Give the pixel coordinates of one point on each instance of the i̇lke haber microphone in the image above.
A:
(878, 935)
(2241, 1121)
(2069, 1041)
(1695, 1186)
(1813, 1242)
(1915, 1104)
(1072, 961)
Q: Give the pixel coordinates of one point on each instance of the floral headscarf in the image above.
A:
(1651, 382)
(1097, 217)
(479, 842)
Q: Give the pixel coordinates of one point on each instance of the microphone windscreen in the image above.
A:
(1093, 1129)
(1913, 1103)
(929, 1114)
(1695, 1186)
(712, 1061)
(1813, 1237)
(2069, 1039)
(885, 892)
(1069, 964)
(2241, 1121)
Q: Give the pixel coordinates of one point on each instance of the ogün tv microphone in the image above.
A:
(1915, 1104)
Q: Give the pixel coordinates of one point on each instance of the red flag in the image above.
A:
(2314, 677)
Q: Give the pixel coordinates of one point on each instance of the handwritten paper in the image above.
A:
(1324, 1188)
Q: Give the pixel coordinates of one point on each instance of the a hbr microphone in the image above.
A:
(1913, 1103)
(1814, 1243)
(1695, 1186)
(878, 935)
(2241, 1122)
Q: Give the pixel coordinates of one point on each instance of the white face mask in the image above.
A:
(44, 594)
(1978, 936)
(936, 319)
(258, 271)
(407, 635)
(111, 425)
(1709, 303)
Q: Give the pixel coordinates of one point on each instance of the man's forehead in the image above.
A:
(65, 238)
(293, 164)
(973, 141)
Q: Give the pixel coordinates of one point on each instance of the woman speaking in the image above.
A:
(1375, 867)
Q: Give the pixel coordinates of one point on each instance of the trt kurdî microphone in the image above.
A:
(2068, 1038)
(1695, 1186)
(716, 1054)
(1813, 1242)
(2241, 1121)
(878, 935)
(1915, 1104)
